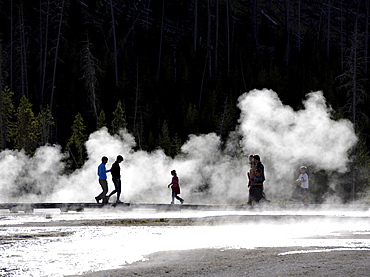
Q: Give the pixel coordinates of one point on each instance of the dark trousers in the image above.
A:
(104, 186)
(255, 193)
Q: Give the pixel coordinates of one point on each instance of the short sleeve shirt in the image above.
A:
(304, 177)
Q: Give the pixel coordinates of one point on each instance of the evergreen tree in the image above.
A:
(76, 143)
(225, 122)
(191, 120)
(151, 141)
(7, 110)
(176, 145)
(43, 123)
(24, 131)
(164, 140)
(362, 163)
(101, 120)
(119, 121)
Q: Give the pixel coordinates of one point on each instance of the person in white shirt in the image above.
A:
(303, 179)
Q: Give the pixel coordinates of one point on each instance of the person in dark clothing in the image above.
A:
(261, 167)
(175, 186)
(256, 191)
(250, 175)
(116, 178)
(256, 177)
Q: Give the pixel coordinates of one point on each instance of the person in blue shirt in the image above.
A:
(102, 172)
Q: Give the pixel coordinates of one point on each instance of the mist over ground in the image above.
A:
(209, 171)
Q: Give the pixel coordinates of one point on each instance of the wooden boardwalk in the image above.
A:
(65, 207)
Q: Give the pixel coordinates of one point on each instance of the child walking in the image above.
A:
(175, 186)
(303, 179)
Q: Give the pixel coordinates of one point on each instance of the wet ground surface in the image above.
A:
(51, 243)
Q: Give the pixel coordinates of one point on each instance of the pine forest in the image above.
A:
(166, 69)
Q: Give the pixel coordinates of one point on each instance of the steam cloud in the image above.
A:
(209, 173)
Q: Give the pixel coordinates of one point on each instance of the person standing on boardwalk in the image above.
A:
(102, 172)
(256, 177)
(116, 178)
(251, 174)
(175, 186)
(252, 168)
(261, 167)
(303, 179)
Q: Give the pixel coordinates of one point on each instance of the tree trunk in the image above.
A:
(287, 35)
(299, 26)
(2, 129)
(228, 34)
(328, 31)
(147, 18)
(354, 99)
(202, 83)
(160, 42)
(195, 24)
(216, 40)
(136, 96)
(43, 54)
(23, 53)
(366, 37)
(89, 64)
(56, 56)
(11, 45)
(341, 38)
(254, 24)
(223, 117)
(114, 42)
(209, 37)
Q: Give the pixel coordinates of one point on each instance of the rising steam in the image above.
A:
(208, 173)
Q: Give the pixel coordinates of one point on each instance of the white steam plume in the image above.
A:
(208, 171)
(286, 138)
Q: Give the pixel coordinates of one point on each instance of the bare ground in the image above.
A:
(241, 262)
(244, 262)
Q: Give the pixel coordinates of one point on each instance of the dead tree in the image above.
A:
(90, 66)
(23, 52)
(161, 42)
(228, 34)
(195, 36)
(44, 29)
(114, 42)
(352, 81)
(209, 37)
(287, 33)
(216, 38)
(56, 54)
(2, 129)
(328, 31)
(254, 24)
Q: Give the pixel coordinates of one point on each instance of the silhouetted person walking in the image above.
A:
(116, 178)
(102, 172)
(175, 186)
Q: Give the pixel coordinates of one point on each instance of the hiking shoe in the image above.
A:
(97, 199)
(119, 201)
(182, 201)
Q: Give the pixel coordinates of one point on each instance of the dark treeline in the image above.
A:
(167, 69)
